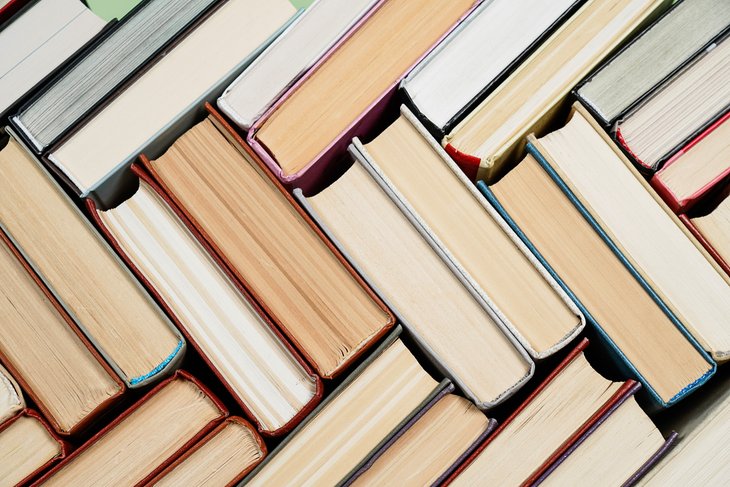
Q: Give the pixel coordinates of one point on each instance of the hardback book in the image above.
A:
(11, 396)
(697, 168)
(270, 380)
(288, 58)
(425, 291)
(9, 7)
(262, 235)
(648, 341)
(223, 457)
(711, 226)
(92, 285)
(650, 57)
(645, 231)
(343, 95)
(492, 135)
(430, 446)
(700, 457)
(118, 9)
(569, 407)
(375, 401)
(197, 68)
(619, 449)
(679, 109)
(47, 353)
(28, 446)
(455, 218)
(37, 40)
(102, 68)
(143, 440)
(459, 73)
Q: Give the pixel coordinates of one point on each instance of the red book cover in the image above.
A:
(178, 375)
(92, 415)
(143, 175)
(200, 233)
(64, 447)
(626, 389)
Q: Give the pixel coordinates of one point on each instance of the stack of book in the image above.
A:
(373, 242)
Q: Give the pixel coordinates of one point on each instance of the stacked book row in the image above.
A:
(229, 227)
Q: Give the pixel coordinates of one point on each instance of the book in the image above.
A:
(221, 44)
(288, 58)
(271, 247)
(101, 70)
(429, 447)
(27, 447)
(446, 208)
(564, 409)
(493, 134)
(421, 287)
(627, 314)
(223, 457)
(109, 305)
(59, 369)
(260, 369)
(700, 458)
(38, 40)
(712, 227)
(114, 10)
(477, 55)
(678, 109)
(652, 56)
(11, 396)
(343, 94)
(647, 233)
(697, 168)
(144, 439)
(361, 414)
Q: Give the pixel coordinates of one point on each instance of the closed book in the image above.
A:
(709, 222)
(85, 276)
(46, 352)
(28, 447)
(270, 245)
(650, 57)
(422, 286)
(11, 396)
(166, 422)
(370, 60)
(99, 151)
(233, 335)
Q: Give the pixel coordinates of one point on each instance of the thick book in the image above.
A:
(288, 58)
(566, 410)
(697, 168)
(89, 281)
(46, 352)
(223, 457)
(11, 396)
(422, 287)
(710, 224)
(476, 56)
(493, 134)
(645, 336)
(652, 56)
(37, 40)
(99, 151)
(369, 61)
(458, 222)
(680, 108)
(430, 446)
(643, 229)
(354, 422)
(231, 332)
(28, 447)
(270, 245)
(97, 72)
(145, 439)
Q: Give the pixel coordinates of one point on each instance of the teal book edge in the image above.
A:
(623, 361)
